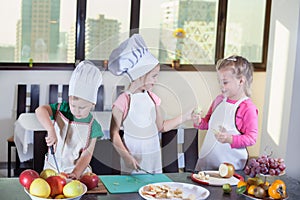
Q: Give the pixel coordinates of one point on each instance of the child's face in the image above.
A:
(80, 108)
(151, 78)
(230, 85)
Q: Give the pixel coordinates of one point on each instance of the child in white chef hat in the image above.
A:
(74, 131)
(137, 110)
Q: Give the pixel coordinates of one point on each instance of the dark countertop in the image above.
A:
(10, 189)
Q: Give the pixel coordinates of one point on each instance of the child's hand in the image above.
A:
(51, 138)
(196, 115)
(72, 176)
(188, 115)
(223, 137)
(131, 162)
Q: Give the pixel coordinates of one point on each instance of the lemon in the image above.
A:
(40, 188)
(226, 188)
(73, 188)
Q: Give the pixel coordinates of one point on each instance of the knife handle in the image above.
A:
(51, 149)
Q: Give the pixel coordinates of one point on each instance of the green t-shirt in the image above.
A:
(65, 110)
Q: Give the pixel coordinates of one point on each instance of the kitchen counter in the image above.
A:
(10, 189)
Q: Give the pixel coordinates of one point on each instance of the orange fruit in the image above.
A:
(241, 183)
(251, 189)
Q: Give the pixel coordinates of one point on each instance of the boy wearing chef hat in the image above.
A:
(137, 110)
(74, 131)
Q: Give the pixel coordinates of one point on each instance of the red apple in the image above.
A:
(27, 176)
(90, 180)
(57, 184)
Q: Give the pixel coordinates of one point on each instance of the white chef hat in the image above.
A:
(85, 81)
(132, 57)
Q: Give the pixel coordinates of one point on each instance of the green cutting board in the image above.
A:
(130, 183)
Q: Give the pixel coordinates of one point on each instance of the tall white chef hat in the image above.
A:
(132, 57)
(85, 81)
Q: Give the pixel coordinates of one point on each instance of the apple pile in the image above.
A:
(49, 184)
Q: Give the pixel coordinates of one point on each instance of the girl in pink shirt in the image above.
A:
(232, 119)
(137, 110)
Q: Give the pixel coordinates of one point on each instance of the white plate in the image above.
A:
(187, 189)
(216, 180)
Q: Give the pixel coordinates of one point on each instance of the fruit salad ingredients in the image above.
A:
(57, 184)
(277, 190)
(73, 188)
(202, 176)
(90, 180)
(47, 173)
(40, 188)
(241, 187)
(265, 165)
(226, 188)
(226, 170)
(27, 176)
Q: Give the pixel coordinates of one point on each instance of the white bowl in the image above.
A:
(73, 198)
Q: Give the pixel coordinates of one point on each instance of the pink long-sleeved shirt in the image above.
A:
(246, 121)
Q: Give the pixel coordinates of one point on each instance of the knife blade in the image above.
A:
(141, 169)
(52, 152)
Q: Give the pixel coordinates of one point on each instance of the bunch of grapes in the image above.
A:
(265, 165)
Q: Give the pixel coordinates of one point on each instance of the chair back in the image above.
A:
(28, 98)
(58, 93)
(177, 149)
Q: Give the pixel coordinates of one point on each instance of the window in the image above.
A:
(196, 32)
(245, 29)
(104, 21)
(38, 31)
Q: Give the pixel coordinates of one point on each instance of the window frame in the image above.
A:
(134, 28)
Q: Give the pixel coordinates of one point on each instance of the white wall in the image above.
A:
(281, 115)
(179, 91)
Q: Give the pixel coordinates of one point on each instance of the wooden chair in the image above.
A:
(55, 95)
(23, 94)
(171, 148)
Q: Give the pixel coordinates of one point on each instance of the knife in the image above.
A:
(141, 169)
(52, 152)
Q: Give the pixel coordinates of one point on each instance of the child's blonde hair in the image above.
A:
(240, 67)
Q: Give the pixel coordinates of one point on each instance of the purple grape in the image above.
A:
(277, 171)
(264, 170)
(252, 174)
(272, 172)
(282, 166)
(247, 170)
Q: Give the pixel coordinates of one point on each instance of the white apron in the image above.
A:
(213, 153)
(72, 139)
(141, 134)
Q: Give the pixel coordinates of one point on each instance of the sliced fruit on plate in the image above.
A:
(226, 170)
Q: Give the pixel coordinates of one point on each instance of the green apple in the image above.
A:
(73, 188)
